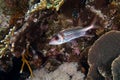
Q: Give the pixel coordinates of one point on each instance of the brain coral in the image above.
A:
(101, 55)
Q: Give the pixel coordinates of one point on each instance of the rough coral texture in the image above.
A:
(66, 71)
(4, 20)
(101, 55)
(115, 69)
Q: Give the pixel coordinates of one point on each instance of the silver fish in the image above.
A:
(70, 34)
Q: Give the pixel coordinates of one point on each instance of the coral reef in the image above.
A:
(6, 42)
(66, 71)
(101, 55)
(46, 4)
(26, 27)
(115, 68)
(4, 24)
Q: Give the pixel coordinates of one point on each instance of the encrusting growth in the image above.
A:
(101, 55)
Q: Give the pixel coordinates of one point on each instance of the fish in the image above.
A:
(68, 35)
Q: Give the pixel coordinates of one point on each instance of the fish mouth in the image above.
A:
(50, 42)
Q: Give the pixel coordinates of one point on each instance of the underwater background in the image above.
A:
(28, 26)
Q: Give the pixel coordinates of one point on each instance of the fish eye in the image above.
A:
(56, 37)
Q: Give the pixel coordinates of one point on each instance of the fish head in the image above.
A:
(56, 40)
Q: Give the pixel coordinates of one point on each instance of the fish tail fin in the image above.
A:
(93, 22)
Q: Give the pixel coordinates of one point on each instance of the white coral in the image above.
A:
(41, 74)
(78, 76)
(69, 68)
(58, 75)
(62, 73)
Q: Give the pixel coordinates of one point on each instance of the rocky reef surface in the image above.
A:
(26, 27)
